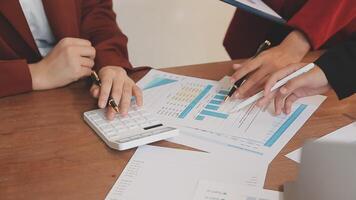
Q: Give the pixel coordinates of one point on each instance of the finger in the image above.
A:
(105, 89)
(94, 91)
(280, 74)
(245, 69)
(278, 103)
(266, 99)
(110, 113)
(293, 84)
(285, 91)
(236, 66)
(75, 41)
(252, 91)
(253, 80)
(289, 102)
(85, 71)
(126, 99)
(86, 62)
(138, 94)
(117, 88)
(88, 52)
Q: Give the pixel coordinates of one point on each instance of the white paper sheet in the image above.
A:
(346, 134)
(194, 106)
(162, 173)
(212, 190)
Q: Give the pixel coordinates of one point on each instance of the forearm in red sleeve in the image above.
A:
(98, 24)
(321, 19)
(15, 77)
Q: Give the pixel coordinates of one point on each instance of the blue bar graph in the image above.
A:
(212, 107)
(285, 125)
(223, 92)
(200, 117)
(214, 114)
(190, 107)
(216, 102)
(219, 97)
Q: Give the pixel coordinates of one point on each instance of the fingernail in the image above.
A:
(283, 90)
(124, 113)
(102, 104)
(236, 95)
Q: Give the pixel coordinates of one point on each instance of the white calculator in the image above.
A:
(138, 128)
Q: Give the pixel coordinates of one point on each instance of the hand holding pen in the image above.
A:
(96, 80)
(291, 50)
(113, 87)
(265, 45)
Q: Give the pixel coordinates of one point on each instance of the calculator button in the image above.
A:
(124, 140)
(133, 127)
(154, 121)
(110, 133)
(106, 127)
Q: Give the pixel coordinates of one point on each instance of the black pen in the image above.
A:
(265, 45)
(94, 76)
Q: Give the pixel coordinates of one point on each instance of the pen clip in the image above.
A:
(265, 45)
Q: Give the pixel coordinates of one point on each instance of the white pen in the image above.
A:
(279, 84)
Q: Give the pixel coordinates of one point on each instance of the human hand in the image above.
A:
(291, 50)
(310, 83)
(115, 82)
(70, 60)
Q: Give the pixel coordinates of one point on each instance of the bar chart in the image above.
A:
(198, 106)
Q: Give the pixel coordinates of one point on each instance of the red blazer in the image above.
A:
(324, 22)
(89, 19)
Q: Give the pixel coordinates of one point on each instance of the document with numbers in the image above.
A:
(163, 173)
(212, 190)
(196, 107)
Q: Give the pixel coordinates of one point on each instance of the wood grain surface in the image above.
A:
(48, 152)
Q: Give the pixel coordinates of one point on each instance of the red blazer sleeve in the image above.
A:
(98, 24)
(321, 19)
(15, 77)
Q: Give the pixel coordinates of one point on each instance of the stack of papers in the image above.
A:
(238, 145)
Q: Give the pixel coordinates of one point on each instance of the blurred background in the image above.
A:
(185, 32)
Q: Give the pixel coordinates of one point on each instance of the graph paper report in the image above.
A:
(196, 105)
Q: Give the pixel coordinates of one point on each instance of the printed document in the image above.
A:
(163, 173)
(213, 190)
(196, 107)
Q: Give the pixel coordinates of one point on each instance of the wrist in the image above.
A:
(36, 75)
(296, 44)
(113, 69)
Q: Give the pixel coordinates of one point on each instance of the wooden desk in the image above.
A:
(48, 152)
